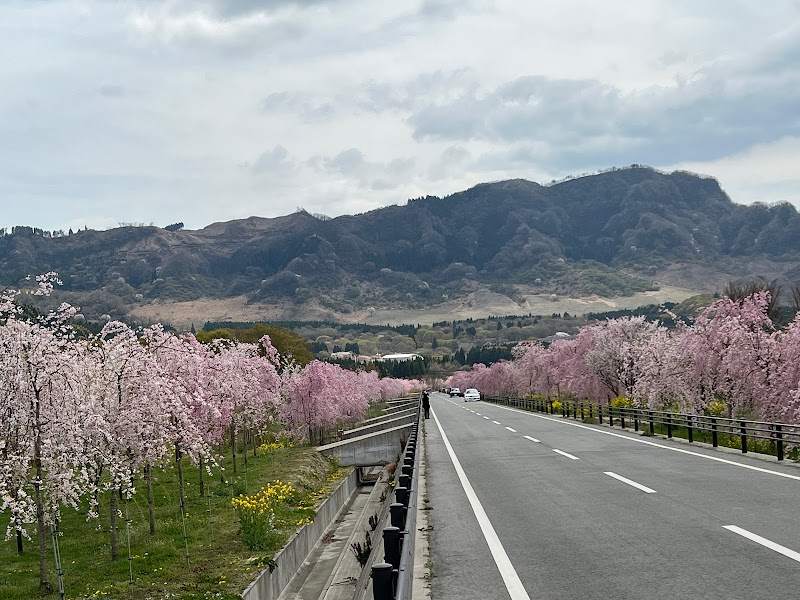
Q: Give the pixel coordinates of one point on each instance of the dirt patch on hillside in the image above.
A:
(479, 305)
(476, 305)
(182, 315)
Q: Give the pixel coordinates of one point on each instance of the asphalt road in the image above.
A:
(561, 510)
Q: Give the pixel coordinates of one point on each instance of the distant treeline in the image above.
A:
(487, 355)
(409, 330)
(651, 312)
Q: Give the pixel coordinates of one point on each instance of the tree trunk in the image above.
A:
(96, 490)
(19, 542)
(245, 439)
(233, 446)
(44, 585)
(113, 505)
(179, 461)
(151, 509)
(202, 479)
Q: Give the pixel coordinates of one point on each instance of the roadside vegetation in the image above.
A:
(131, 458)
(220, 554)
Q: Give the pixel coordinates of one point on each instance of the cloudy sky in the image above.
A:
(210, 110)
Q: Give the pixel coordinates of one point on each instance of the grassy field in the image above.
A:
(219, 566)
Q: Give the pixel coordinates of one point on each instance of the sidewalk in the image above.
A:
(421, 588)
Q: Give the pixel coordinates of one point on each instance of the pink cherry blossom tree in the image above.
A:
(40, 448)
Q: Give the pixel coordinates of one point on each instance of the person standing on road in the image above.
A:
(426, 404)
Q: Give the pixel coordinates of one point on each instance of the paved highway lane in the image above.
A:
(580, 513)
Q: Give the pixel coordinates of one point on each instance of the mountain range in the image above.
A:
(615, 233)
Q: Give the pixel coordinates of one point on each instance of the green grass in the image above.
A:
(220, 564)
(375, 410)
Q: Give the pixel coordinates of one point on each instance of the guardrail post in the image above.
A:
(636, 419)
(743, 433)
(382, 581)
(622, 417)
(689, 429)
(779, 441)
(396, 515)
(591, 416)
(669, 425)
(714, 438)
(652, 424)
(575, 411)
(404, 481)
(401, 495)
(391, 546)
(610, 416)
(550, 407)
(600, 413)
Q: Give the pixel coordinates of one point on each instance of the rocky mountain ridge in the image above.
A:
(610, 234)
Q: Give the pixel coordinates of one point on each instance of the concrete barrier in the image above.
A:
(269, 584)
(399, 407)
(379, 448)
(401, 400)
(387, 423)
(392, 415)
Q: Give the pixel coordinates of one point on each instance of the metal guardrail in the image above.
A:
(761, 436)
(393, 578)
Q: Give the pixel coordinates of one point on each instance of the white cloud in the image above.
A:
(763, 173)
(208, 110)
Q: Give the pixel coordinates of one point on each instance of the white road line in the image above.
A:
(527, 437)
(513, 584)
(764, 542)
(511, 430)
(562, 453)
(485, 417)
(479, 414)
(654, 444)
(496, 422)
(638, 486)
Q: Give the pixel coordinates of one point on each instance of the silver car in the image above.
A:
(471, 395)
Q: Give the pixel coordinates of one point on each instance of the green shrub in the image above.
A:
(622, 402)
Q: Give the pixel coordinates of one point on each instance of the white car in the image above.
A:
(471, 395)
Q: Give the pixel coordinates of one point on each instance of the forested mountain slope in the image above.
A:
(612, 233)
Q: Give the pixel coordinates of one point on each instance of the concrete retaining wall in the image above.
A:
(399, 407)
(393, 415)
(378, 448)
(401, 400)
(269, 585)
(387, 423)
